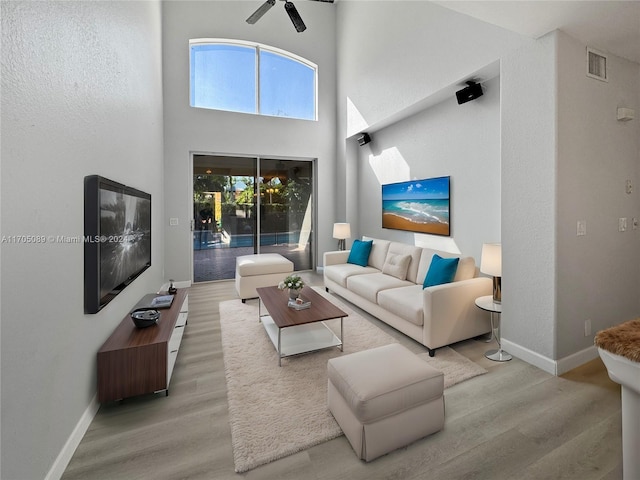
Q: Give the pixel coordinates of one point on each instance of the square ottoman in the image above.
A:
(260, 270)
(385, 398)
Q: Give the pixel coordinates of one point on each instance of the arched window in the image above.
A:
(247, 77)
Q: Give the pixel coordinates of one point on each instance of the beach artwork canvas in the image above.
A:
(417, 206)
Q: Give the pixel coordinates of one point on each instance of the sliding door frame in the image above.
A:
(258, 205)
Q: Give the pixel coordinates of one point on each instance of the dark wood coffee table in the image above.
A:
(294, 332)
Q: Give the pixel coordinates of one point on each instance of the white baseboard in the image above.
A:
(575, 360)
(64, 457)
(554, 367)
(529, 356)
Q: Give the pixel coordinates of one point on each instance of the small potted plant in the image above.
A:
(294, 284)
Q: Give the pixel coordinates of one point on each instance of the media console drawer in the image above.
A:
(136, 361)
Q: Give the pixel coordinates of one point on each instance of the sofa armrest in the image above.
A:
(335, 257)
(450, 312)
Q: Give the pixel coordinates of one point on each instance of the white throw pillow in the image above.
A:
(396, 265)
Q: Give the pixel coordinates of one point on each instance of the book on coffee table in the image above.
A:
(296, 305)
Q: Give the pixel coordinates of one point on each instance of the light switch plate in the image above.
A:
(622, 224)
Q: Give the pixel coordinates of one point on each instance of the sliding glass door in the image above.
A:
(244, 205)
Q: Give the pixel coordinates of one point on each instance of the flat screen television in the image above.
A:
(117, 239)
(421, 206)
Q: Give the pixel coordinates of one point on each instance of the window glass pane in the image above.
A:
(223, 77)
(287, 87)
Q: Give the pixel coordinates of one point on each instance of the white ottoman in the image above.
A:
(260, 270)
(385, 398)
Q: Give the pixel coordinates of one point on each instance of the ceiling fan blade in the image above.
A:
(264, 8)
(295, 17)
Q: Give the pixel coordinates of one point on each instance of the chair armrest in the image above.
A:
(335, 257)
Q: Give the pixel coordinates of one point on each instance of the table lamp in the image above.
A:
(491, 264)
(341, 231)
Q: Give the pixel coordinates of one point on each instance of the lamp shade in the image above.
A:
(491, 261)
(341, 231)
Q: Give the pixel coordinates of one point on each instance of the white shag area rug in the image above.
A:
(277, 411)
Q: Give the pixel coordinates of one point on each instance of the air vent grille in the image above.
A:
(597, 65)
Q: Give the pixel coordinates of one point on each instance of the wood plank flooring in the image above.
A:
(516, 422)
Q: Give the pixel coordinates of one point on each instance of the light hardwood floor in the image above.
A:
(516, 422)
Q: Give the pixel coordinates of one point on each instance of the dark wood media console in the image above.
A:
(136, 361)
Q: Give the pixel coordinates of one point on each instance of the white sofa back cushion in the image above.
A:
(379, 251)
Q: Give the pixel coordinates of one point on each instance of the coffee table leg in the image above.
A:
(279, 347)
(341, 342)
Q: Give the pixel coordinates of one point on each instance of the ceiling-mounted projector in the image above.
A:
(472, 91)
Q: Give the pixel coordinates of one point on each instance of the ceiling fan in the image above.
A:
(288, 6)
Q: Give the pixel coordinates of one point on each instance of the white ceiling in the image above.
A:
(612, 26)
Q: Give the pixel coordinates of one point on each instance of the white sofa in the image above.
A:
(434, 316)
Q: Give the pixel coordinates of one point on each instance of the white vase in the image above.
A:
(293, 293)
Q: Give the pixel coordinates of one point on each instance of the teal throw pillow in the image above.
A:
(360, 251)
(441, 270)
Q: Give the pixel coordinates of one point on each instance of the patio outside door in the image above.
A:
(228, 193)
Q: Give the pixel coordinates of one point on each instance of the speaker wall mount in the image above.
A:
(472, 91)
(363, 139)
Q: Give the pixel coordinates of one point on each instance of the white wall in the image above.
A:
(598, 274)
(394, 54)
(81, 95)
(198, 130)
(529, 145)
(566, 158)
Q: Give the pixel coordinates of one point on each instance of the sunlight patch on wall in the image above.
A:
(390, 166)
(445, 244)
(355, 121)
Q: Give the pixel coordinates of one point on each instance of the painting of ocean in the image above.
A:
(417, 206)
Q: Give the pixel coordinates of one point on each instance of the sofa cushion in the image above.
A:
(360, 251)
(368, 286)
(405, 302)
(415, 253)
(339, 273)
(442, 270)
(378, 252)
(396, 265)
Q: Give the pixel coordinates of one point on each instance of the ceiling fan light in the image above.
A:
(295, 17)
(264, 8)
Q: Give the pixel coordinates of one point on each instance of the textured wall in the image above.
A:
(528, 136)
(81, 95)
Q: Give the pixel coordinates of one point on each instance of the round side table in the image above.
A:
(487, 303)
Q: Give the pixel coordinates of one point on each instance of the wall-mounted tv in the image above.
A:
(117, 239)
(421, 206)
